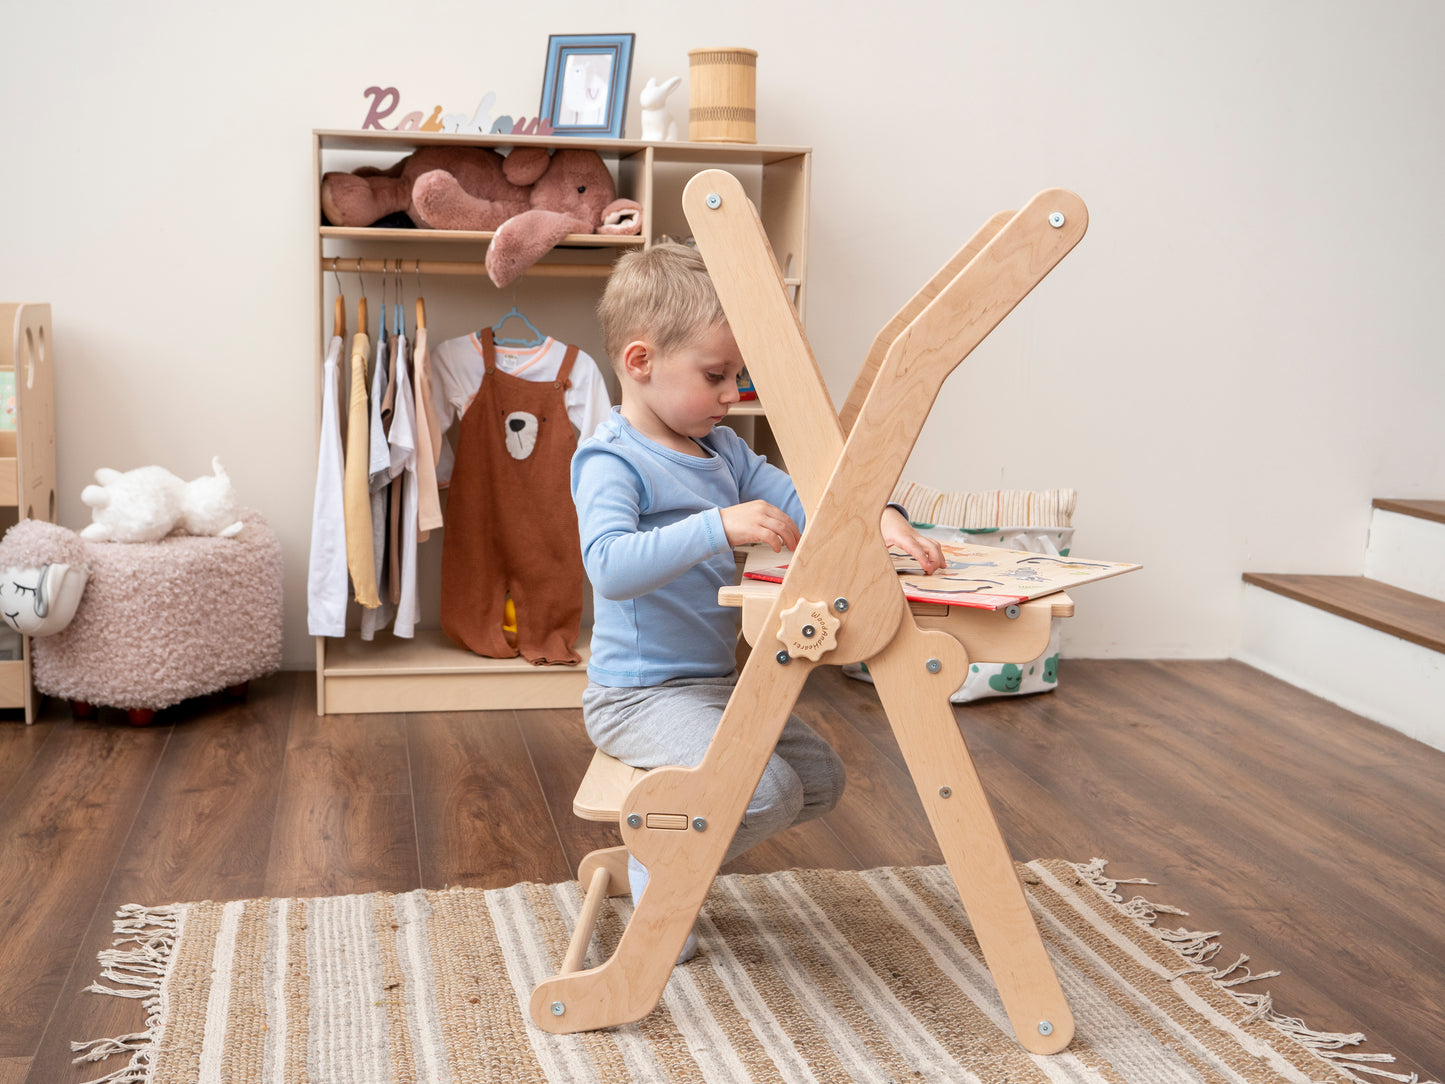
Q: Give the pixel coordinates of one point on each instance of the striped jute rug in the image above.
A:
(804, 976)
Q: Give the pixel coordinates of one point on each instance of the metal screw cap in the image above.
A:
(699, 824)
(1013, 611)
(634, 820)
(783, 657)
(934, 666)
(1056, 219)
(945, 792)
(558, 1008)
(714, 201)
(1045, 1028)
(840, 604)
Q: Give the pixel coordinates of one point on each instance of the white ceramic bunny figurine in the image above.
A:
(656, 124)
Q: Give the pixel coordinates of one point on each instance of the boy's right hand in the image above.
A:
(759, 521)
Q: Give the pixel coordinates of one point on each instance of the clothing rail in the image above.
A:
(459, 267)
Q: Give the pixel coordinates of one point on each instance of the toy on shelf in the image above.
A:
(839, 602)
(656, 124)
(148, 503)
(144, 626)
(423, 184)
(531, 199)
(570, 192)
(746, 391)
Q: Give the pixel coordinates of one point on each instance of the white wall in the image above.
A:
(1241, 353)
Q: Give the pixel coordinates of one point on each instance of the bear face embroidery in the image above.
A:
(520, 431)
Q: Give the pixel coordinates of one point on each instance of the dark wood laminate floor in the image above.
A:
(1309, 837)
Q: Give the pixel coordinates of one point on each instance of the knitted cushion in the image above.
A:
(991, 508)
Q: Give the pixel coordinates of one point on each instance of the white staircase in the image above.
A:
(1374, 644)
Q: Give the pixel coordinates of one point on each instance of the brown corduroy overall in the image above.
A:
(510, 522)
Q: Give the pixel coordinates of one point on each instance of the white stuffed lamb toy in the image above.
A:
(148, 503)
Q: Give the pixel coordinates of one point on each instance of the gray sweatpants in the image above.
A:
(673, 723)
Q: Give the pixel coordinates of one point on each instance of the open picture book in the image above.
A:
(983, 577)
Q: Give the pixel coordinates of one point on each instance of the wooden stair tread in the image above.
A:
(1431, 510)
(1401, 613)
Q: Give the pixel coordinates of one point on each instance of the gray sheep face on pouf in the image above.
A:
(43, 572)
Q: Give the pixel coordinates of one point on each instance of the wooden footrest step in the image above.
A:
(1377, 605)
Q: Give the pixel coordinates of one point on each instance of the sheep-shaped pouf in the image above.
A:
(155, 622)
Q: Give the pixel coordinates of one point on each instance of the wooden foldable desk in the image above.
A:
(839, 602)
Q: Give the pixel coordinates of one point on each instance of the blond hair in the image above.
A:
(662, 295)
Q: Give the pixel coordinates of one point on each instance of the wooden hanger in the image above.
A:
(338, 312)
(361, 304)
(420, 301)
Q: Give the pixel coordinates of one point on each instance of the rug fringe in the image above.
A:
(140, 957)
(1200, 947)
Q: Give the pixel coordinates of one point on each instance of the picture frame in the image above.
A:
(584, 90)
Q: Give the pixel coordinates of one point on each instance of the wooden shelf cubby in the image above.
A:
(429, 672)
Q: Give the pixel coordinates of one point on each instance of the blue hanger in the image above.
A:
(398, 317)
(536, 339)
(381, 319)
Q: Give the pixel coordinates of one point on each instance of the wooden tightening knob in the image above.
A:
(808, 629)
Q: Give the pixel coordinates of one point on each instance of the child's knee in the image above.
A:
(780, 795)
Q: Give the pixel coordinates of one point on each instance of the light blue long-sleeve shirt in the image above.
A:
(655, 551)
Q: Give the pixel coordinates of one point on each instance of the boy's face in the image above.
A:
(680, 395)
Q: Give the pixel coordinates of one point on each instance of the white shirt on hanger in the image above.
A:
(457, 369)
(326, 577)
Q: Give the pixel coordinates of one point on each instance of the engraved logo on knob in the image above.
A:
(808, 629)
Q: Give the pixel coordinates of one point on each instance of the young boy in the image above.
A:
(663, 494)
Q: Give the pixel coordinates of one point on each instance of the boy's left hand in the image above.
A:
(897, 531)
